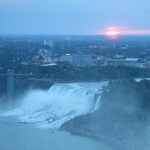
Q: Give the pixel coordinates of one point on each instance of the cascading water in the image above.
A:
(62, 102)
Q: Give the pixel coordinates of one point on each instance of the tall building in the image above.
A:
(66, 43)
(48, 42)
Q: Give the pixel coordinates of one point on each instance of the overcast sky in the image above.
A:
(71, 16)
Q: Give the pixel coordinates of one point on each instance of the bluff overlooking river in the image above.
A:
(123, 118)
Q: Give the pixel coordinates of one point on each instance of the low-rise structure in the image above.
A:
(130, 62)
(67, 57)
(82, 60)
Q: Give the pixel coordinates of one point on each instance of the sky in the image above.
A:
(72, 17)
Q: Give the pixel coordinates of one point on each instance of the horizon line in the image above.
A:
(71, 35)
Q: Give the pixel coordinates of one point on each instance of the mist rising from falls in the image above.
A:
(50, 109)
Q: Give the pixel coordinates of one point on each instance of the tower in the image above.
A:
(48, 42)
(10, 84)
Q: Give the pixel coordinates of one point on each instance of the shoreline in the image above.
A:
(18, 136)
(100, 138)
(114, 145)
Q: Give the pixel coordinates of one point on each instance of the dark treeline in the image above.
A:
(66, 72)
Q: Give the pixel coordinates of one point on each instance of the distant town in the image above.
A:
(132, 51)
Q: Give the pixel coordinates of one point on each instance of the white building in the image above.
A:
(67, 57)
(48, 42)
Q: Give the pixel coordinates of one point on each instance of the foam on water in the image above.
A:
(62, 102)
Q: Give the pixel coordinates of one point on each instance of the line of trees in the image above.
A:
(66, 72)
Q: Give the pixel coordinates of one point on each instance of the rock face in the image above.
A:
(121, 130)
(120, 122)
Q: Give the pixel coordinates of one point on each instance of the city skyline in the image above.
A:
(35, 17)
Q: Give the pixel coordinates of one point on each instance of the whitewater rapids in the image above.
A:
(62, 102)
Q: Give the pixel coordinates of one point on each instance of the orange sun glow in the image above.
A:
(112, 32)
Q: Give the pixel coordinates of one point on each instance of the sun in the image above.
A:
(112, 32)
(115, 31)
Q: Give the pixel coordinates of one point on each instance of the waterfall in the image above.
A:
(62, 102)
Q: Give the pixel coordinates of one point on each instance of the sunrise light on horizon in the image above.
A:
(110, 31)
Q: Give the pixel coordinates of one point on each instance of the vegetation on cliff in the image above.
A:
(122, 118)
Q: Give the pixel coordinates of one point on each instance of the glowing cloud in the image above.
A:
(124, 31)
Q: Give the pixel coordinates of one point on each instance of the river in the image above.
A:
(19, 136)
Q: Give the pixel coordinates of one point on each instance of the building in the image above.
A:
(124, 47)
(116, 62)
(66, 43)
(82, 60)
(48, 42)
(47, 65)
(67, 57)
(130, 62)
(132, 59)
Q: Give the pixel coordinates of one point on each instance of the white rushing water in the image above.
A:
(62, 102)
